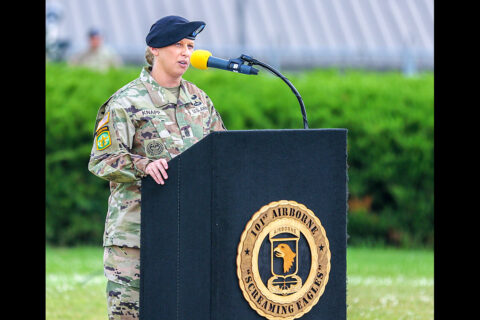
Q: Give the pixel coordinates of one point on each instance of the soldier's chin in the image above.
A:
(177, 72)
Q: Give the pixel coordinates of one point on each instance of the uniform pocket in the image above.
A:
(122, 265)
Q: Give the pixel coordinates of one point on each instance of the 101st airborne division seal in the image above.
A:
(283, 260)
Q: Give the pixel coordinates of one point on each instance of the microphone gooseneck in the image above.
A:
(294, 90)
(202, 59)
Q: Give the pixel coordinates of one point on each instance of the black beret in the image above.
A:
(170, 29)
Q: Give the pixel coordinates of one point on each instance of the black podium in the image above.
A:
(192, 226)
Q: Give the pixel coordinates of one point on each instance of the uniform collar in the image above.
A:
(160, 96)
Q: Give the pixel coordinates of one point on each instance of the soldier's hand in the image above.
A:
(157, 170)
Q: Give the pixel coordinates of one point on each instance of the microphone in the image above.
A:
(202, 59)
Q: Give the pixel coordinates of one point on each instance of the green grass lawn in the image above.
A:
(386, 284)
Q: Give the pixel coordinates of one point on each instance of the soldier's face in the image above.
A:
(95, 41)
(174, 59)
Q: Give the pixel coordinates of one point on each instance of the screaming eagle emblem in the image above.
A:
(283, 260)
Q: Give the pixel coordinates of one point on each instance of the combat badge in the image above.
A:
(154, 148)
(103, 139)
(283, 260)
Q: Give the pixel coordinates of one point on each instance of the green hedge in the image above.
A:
(390, 142)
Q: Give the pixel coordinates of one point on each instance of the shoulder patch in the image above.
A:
(104, 139)
(104, 121)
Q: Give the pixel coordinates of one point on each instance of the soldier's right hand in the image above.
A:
(156, 169)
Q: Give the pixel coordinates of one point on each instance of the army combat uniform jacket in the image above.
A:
(140, 123)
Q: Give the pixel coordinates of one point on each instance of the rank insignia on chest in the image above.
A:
(103, 139)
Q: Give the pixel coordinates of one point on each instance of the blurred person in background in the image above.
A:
(147, 122)
(97, 56)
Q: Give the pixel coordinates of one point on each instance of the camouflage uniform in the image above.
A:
(122, 269)
(140, 123)
(101, 59)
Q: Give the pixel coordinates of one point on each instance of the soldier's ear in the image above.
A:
(154, 51)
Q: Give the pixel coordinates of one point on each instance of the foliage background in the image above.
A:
(389, 118)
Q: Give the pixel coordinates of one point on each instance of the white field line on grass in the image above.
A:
(372, 281)
(62, 282)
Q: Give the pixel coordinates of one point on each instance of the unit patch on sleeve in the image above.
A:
(103, 139)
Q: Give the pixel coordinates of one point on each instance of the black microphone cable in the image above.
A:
(252, 61)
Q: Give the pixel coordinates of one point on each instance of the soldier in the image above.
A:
(138, 130)
(98, 56)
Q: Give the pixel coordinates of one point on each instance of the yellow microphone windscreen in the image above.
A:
(199, 59)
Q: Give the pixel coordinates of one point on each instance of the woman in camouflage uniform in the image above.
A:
(143, 125)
